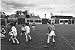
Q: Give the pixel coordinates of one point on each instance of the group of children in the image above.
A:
(26, 30)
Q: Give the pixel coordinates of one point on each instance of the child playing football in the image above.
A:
(33, 26)
(27, 32)
(51, 34)
(13, 34)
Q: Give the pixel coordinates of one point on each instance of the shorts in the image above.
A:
(12, 34)
(23, 31)
(27, 33)
(52, 33)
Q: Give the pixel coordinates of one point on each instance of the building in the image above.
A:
(64, 19)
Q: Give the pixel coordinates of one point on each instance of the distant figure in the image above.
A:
(51, 34)
(33, 26)
(13, 33)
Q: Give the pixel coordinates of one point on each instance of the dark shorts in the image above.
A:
(23, 31)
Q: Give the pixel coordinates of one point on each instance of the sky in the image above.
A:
(39, 7)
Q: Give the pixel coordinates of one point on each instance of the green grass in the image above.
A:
(40, 37)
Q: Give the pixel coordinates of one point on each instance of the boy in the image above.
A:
(13, 34)
(22, 29)
(51, 34)
(33, 26)
(27, 32)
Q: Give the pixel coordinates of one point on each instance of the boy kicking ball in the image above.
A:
(27, 32)
(33, 26)
(51, 34)
(13, 34)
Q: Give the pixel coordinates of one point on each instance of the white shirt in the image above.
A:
(14, 30)
(27, 28)
(23, 28)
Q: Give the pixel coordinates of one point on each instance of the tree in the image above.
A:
(3, 15)
(20, 12)
(7, 16)
(25, 12)
(17, 14)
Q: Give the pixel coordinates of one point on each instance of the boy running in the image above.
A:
(13, 34)
(27, 32)
(33, 26)
(51, 34)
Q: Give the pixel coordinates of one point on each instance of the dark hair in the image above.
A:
(13, 24)
(27, 24)
(52, 23)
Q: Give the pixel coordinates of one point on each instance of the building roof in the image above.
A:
(65, 17)
(34, 17)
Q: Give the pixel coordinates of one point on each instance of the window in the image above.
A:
(66, 21)
(39, 20)
(31, 20)
(72, 21)
(36, 20)
(61, 21)
(27, 20)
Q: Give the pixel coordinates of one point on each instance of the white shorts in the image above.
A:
(15, 34)
(52, 33)
(26, 33)
(12, 33)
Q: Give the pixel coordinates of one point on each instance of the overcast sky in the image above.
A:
(64, 6)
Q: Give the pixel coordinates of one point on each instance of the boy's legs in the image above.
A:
(53, 40)
(16, 39)
(11, 37)
(26, 37)
(48, 40)
(29, 37)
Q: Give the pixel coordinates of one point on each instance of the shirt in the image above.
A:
(23, 28)
(27, 28)
(14, 30)
(51, 27)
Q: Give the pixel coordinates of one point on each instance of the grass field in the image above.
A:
(65, 39)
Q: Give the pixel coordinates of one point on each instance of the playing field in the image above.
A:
(65, 39)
